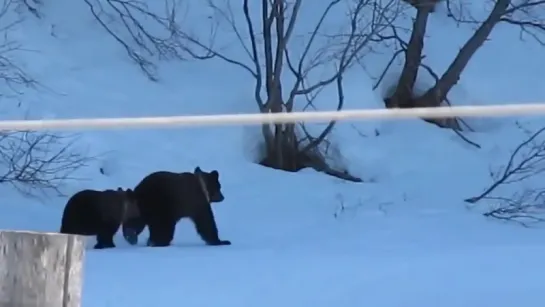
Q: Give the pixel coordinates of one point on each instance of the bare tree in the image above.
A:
(272, 58)
(142, 44)
(30, 161)
(527, 161)
(525, 14)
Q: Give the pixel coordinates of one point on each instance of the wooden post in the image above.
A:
(40, 269)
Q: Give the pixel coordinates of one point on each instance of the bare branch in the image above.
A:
(33, 6)
(13, 80)
(359, 36)
(527, 160)
(528, 206)
(142, 45)
(255, 58)
(520, 209)
(38, 162)
(528, 16)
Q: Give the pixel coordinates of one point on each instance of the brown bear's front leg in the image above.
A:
(205, 224)
(161, 233)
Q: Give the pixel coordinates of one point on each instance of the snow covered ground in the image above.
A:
(404, 237)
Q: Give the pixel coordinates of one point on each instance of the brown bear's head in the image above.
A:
(210, 184)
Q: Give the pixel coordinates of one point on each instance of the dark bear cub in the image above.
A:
(100, 213)
(164, 198)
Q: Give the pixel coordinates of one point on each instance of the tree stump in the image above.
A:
(40, 269)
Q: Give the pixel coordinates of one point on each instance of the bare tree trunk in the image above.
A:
(290, 142)
(438, 93)
(279, 147)
(269, 139)
(413, 59)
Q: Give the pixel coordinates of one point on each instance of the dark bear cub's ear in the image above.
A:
(215, 174)
(197, 170)
(129, 193)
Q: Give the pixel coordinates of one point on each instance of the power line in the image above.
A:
(260, 118)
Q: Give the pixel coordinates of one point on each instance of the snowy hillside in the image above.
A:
(402, 237)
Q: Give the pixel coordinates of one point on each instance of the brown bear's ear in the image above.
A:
(197, 170)
(215, 173)
(120, 189)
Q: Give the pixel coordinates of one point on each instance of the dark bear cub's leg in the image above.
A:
(205, 225)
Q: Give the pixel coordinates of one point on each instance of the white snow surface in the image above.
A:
(403, 237)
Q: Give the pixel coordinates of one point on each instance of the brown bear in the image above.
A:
(164, 198)
(91, 212)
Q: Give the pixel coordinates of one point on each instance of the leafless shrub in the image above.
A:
(35, 162)
(136, 19)
(526, 161)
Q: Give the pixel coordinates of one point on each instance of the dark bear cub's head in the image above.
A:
(129, 205)
(131, 215)
(210, 184)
